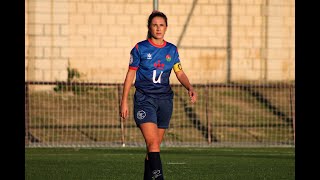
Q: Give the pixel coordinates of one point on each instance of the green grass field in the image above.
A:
(178, 163)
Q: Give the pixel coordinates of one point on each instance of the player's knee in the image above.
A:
(153, 146)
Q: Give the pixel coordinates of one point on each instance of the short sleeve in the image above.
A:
(134, 58)
(177, 64)
(176, 57)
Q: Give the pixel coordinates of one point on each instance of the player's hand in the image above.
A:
(124, 110)
(192, 95)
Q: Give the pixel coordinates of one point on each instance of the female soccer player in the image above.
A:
(151, 61)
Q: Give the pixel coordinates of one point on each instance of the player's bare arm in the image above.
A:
(183, 79)
(127, 85)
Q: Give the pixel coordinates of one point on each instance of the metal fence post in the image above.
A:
(207, 114)
(121, 119)
(293, 117)
(26, 119)
(155, 5)
(229, 40)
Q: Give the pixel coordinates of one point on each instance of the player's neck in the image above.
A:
(157, 41)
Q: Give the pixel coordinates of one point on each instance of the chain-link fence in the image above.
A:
(87, 114)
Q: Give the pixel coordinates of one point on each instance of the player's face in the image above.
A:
(158, 27)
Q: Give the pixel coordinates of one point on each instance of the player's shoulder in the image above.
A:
(143, 43)
(171, 45)
(138, 45)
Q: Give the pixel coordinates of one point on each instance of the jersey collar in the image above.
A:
(156, 45)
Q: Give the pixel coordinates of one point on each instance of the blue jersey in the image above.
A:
(153, 64)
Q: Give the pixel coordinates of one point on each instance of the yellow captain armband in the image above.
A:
(177, 67)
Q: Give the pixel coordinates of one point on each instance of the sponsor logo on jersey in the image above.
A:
(141, 114)
(158, 65)
(131, 59)
(149, 56)
(168, 57)
(154, 77)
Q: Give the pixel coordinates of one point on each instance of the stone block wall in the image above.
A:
(95, 38)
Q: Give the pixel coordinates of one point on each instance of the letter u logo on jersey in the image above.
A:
(154, 77)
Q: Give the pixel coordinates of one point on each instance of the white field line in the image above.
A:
(176, 163)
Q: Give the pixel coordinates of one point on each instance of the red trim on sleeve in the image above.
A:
(133, 68)
(137, 47)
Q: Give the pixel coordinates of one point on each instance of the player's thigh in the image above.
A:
(150, 132)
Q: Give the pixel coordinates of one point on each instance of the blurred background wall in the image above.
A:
(218, 40)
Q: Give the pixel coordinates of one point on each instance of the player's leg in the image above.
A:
(161, 132)
(145, 113)
(164, 113)
(152, 138)
(146, 117)
(147, 171)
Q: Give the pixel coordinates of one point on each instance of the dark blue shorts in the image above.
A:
(147, 109)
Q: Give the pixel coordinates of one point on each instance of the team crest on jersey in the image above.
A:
(141, 114)
(131, 59)
(158, 65)
(168, 57)
(149, 56)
